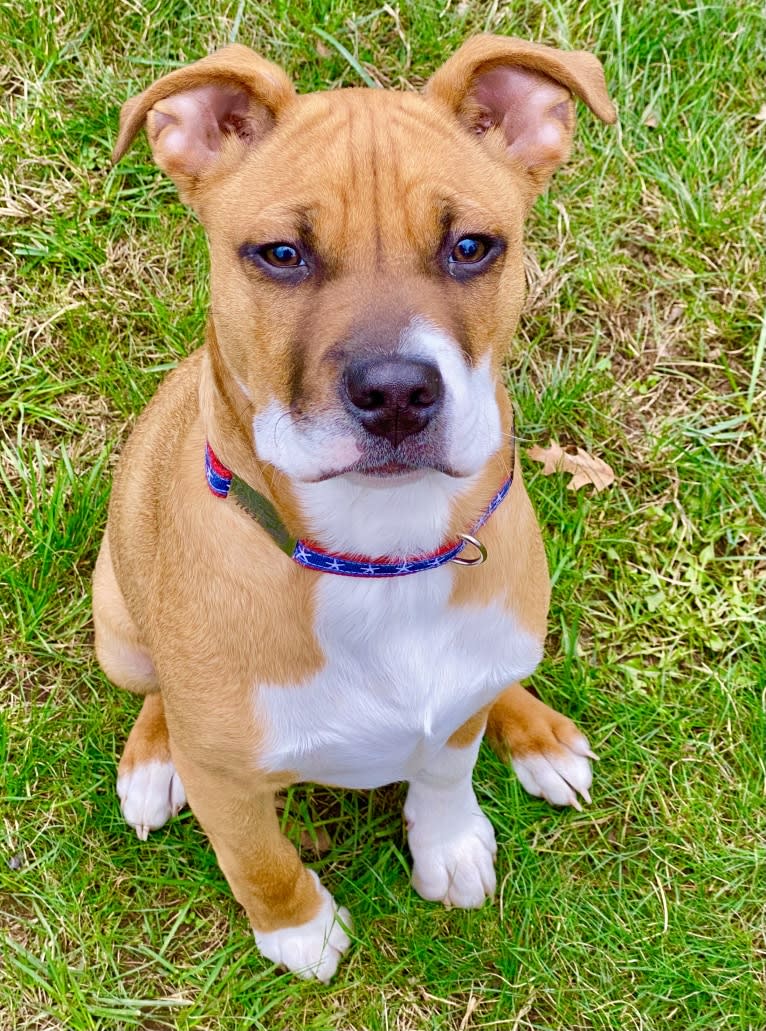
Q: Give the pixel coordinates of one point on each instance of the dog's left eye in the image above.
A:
(469, 249)
(472, 255)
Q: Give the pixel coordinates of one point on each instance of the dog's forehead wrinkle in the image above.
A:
(380, 128)
(389, 182)
(314, 111)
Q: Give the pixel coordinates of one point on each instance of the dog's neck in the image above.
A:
(349, 513)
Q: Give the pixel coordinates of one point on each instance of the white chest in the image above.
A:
(404, 670)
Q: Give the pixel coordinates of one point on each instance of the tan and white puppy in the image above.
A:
(366, 277)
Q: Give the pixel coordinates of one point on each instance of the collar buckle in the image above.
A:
(477, 560)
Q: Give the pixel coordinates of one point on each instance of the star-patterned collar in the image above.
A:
(223, 481)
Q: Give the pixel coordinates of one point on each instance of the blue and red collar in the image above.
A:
(223, 481)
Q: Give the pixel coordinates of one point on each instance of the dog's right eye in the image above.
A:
(281, 255)
(280, 260)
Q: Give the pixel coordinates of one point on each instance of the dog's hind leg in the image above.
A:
(148, 785)
(547, 751)
(119, 648)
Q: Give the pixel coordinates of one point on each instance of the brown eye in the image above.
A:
(281, 255)
(281, 262)
(469, 249)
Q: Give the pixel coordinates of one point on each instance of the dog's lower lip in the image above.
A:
(388, 470)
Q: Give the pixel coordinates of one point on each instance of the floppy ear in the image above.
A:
(191, 114)
(519, 96)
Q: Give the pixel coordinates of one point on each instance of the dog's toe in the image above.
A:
(313, 949)
(458, 867)
(559, 773)
(150, 793)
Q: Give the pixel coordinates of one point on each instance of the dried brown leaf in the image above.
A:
(584, 468)
(315, 840)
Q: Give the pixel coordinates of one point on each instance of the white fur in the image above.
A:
(558, 776)
(304, 449)
(367, 516)
(451, 840)
(404, 670)
(149, 795)
(312, 949)
(474, 431)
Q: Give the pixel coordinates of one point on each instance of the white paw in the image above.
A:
(456, 865)
(149, 795)
(558, 775)
(312, 949)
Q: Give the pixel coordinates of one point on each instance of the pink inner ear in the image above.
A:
(187, 129)
(533, 111)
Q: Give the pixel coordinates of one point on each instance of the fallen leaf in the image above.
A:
(584, 468)
(761, 116)
(651, 120)
(316, 840)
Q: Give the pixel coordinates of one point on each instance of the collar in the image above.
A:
(223, 481)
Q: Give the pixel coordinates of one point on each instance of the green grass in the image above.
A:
(643, 340)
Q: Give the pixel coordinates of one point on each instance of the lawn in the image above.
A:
(642, 341)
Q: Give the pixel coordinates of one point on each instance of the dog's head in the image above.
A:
(366, 245)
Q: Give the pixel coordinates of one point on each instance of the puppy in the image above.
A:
(320, 561)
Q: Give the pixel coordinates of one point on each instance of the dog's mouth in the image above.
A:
(388, 471)
(378, 460)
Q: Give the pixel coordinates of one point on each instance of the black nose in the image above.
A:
(393, 397)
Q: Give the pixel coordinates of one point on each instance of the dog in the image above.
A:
(320, 562)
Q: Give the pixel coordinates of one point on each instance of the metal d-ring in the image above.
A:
(477, 561)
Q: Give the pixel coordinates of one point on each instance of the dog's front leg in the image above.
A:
(451, 840)
(295, 920)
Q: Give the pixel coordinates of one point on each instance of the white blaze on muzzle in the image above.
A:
(473, 431)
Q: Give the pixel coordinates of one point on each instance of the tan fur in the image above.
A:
(161, 620)
(576, 70)
(516, 570)
(239, 816)
(148, 740)
(267, 89)
(119, 648)
(357, 126)
(470, 730)
(520, 724)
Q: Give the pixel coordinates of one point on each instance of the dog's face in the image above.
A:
(366, 272)
(366, 246)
